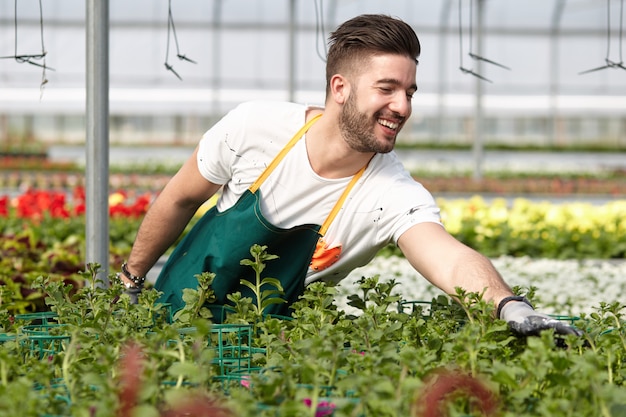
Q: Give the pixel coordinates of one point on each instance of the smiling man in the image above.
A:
(320, 187)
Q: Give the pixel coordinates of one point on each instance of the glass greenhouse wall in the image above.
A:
(239, 50)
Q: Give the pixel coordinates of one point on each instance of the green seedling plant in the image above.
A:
(378, 360)
(263, 297)
(196, 299)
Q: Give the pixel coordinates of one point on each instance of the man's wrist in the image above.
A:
(137, 281)
(506, 300)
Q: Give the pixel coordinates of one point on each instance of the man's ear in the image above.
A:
(339, 88)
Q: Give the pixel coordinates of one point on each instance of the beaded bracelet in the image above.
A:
(138, 281)
(505, 300)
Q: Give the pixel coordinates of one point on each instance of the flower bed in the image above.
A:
(43, 231)
(59, 177)
(495, 227)
(534, 185)
(538, 229)
(567, 287)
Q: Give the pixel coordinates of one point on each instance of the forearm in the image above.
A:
(169, 215)
(475, 273)
(448, 264)
(160, 228)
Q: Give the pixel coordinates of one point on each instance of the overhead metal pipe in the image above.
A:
(555, 60)
(97, 136)
(217, 58)
(478, 147)
(291, 76)
(444, 18)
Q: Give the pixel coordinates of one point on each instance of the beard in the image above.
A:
(357, 129)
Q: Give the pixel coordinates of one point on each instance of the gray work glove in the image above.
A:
(133, 293)
(524, 320)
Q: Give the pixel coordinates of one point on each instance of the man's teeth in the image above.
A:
(388, 124)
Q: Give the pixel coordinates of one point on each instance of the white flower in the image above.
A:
(564, 287)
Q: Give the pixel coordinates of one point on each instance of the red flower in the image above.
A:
(57, 207)
(4, 206)
(79, 195)
(141, 205)
(79, 209)
(137, 209)
(36, 204)
(78, 198)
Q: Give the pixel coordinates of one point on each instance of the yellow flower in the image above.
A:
(115, 199)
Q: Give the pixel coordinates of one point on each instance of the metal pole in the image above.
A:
(217, 54)
(555, 60)
(97, 146)
(478, 115)
(291, 80)
(442, 68)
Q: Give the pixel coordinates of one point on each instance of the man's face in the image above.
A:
(378, 104)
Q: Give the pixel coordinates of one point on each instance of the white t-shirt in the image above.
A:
(383, 204)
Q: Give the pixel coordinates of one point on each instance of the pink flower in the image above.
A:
(245, 381)
(324, 408)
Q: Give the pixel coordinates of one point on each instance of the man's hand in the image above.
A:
(524, 320)
(130, 287)
(133, 293)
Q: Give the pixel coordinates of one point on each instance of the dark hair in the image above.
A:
(359, 38)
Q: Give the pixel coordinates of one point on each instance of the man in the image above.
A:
(320, 187)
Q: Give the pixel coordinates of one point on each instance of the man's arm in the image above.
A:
(448, 263)
(168, 215)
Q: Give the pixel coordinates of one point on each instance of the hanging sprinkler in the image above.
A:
(32, 59)
(171, 30)
(608, 62)
(471, 53)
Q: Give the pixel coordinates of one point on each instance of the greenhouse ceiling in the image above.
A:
(276, 48)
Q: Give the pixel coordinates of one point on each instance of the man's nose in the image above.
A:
(401, 104)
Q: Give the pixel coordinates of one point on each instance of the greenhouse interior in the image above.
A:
(539, 73)
(518, 133)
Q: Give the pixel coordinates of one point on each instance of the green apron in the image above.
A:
(220, 240)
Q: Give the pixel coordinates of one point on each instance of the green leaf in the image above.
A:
(272, 281)
(145, 410)
(185, 369)
(269, 301)
(270, 293)
(248, 284)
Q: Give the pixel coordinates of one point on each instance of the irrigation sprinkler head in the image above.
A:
(489, 61)
(184, 58)
(609, 64)
(471, 72)
(170, 68)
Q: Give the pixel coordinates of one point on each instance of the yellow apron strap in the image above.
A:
(333, 213)
(254, 187)
(339, 203)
